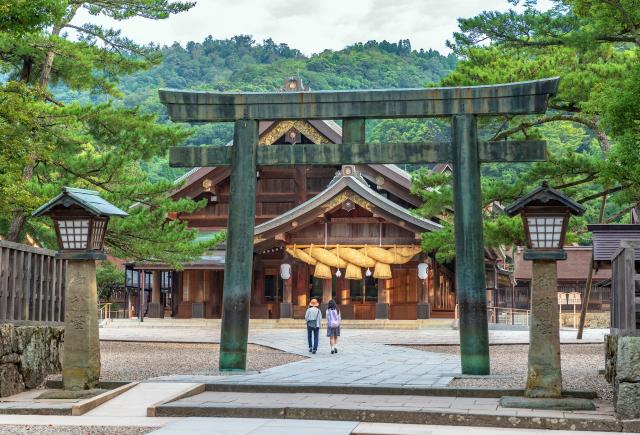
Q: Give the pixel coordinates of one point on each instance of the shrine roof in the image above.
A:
(355, 183)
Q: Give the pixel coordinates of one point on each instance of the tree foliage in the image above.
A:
(592, 123)
(47, 143)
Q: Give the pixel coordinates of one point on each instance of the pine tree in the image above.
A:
(47, 144)
(591, 125)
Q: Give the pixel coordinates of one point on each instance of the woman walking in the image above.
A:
(333, 325)
(313, 316)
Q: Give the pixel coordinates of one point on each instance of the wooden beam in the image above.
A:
(508, 98)
(283, 237)
(359, 153)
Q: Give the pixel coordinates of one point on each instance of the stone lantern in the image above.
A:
(545, 213)
(80, 219)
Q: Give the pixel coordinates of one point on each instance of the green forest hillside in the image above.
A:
(242, 64)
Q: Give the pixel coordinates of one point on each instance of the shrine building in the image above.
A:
(342, 232)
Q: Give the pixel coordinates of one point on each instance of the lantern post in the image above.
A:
(80, 219)
(545, 213)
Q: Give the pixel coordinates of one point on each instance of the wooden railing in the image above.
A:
(104, 311)
(624, 282)
(508, 316)
(504, 316)
(32, 283)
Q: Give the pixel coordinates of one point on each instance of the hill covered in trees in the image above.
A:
(242, 64)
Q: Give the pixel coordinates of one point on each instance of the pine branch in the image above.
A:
(604, 192)
(621, 213)
(591, 124)
(577, 182)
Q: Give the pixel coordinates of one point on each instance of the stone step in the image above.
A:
(406, 409)
(136, 401)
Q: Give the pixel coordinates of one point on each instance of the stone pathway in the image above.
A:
(359, 362)
(365, 357)
(134, 402)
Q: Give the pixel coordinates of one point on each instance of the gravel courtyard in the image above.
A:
(580, 365)
(135, 361)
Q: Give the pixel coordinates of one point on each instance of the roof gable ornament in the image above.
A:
(545, 196)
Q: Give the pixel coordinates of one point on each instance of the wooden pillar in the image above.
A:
(382, 306)
(423, 309)
(286, 307)
(156, 310)
(327, 287)
(155, 286)
(141, 296)
(300, 184)
(239, 257)
(196, 296)
(344, 290)
(301, 285)
(470, 277)
(258, 286)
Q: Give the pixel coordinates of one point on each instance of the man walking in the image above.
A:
(313, 317)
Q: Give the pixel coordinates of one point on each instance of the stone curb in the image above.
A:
(227, 387)
(31, 409)
(106, 385)
(191, 391)
(486, 419)
(87, 405)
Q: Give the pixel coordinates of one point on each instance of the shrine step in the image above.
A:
(407, 409)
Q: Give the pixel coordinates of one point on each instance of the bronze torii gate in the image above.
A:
(462, 104)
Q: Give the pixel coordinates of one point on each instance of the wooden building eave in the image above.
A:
(310, 209)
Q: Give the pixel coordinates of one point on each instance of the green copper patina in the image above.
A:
(359, 153)
(470, 279)
(461, 104)
(236, 292)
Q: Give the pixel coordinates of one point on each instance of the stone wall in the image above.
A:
(622, 370)
(28, 353)
(593, 320)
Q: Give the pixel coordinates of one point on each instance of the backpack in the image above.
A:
(333, 318)
(313, 323)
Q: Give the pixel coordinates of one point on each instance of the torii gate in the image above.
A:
(465, 151)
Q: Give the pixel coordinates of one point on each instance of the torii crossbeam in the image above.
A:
(462, 104)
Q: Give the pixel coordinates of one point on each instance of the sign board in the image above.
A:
(562, 298)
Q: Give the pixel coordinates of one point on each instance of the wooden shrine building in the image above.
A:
(342, 232)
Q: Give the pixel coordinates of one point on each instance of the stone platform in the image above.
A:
(403, 409)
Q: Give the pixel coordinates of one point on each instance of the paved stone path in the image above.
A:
(365, 356)
(359, 362)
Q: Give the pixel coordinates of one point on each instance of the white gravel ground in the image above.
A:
(134, 361)
(580, 365)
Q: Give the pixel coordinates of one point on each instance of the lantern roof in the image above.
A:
(544, 196)
(89, 200)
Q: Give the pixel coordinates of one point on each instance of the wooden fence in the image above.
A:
(31, 283)
(624, 282)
